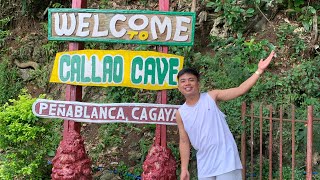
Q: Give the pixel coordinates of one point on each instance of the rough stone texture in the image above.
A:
(159, 164)
(25, 74)
(71, 161)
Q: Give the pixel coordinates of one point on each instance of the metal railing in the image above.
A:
(309, 122)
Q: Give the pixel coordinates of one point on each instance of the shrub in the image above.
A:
(11, 83)
(25, 140)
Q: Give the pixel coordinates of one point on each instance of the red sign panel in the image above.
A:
(106, 113)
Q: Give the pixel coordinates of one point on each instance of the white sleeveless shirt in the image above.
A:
(210, 136)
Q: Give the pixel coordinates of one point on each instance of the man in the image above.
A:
(202, 124)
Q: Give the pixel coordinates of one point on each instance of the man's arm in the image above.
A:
(184, 147)
(228, 94)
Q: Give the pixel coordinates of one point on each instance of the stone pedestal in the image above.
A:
(159, 164)
(71, 161)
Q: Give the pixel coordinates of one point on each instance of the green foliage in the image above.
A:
(124, 172)
(112, 134)
(11, 83)
(51, 48)
(57, 5)
(297, 86)
(144, 144)
(104, 4)
(4, 22)
(298, 173)
(32, 8)
(288, 37)
(234, 12)
(124, 94)
(236, 59)
(307, 17)
(25, 140)
(97, 45)
(4, 32)
(302, 11)
(116, 135)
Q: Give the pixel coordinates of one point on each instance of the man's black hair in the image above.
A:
(188, 70)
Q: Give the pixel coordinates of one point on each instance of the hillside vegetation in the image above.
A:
(231, 37)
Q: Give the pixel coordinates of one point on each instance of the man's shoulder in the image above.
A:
(182, 106)
(213, 94)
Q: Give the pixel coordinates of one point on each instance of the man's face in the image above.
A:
(188, 84)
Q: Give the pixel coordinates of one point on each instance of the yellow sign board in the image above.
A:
(137, 69)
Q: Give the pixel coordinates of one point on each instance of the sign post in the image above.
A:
(160, 162)
(71, 160)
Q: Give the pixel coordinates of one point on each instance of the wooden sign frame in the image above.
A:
(177, 19)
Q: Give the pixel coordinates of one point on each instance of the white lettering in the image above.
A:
(42, 107)
(132, 22)
(133, 111)
(144, 114)
(110, 113)
(94, 113)
(173, 116)
(52, 109)
(162, 27)
(180, 28)
(113, 23)
(69, 111)
(78, 111)
(96, 32)
(167, 113)
(61, 110)
(161, 115)
(103, 113)
(83, 24)
(85, 115)
(64, 28)
(152, 115)
(120, 113)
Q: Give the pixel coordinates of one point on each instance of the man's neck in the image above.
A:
(192, 100)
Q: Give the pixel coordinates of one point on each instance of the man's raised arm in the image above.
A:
(229, 94)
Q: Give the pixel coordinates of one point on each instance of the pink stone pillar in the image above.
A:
(160, 164)
(71, 161)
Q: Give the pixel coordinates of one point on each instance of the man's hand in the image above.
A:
(263, 64)
(184, 175)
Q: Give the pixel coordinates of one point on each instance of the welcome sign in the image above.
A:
(137, 69)
(122, 26)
